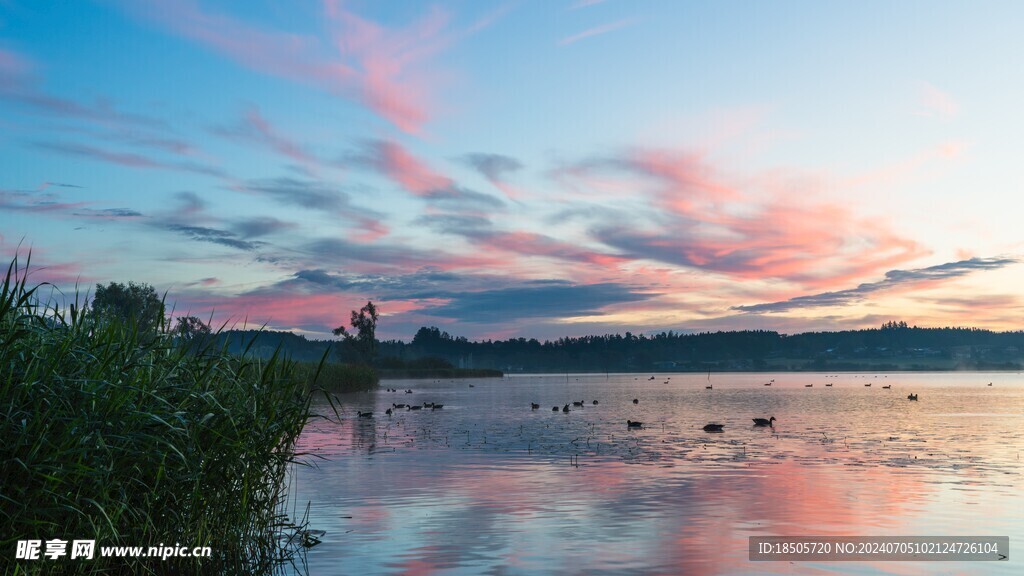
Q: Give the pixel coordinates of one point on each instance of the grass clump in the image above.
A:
(337, 378)
(132, 439)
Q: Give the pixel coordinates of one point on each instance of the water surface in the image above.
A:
(488, 486)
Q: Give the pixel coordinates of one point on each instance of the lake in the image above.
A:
(488, 486)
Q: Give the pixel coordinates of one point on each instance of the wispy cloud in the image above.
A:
(255, 128)
(597, 31)
(496, 168)
(214, 236)
(549, 300)
(382, 67)
(128, 159)
(893, 279)
(19, 84)
(315, 195)
(398, 164)
(753, 229)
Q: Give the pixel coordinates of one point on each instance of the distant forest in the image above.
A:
(893, 346)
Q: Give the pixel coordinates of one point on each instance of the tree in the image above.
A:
(361, 347)
(190, 328)
(132, 304)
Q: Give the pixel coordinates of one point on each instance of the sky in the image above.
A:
(522, 168)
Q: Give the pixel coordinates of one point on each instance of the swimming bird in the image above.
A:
(829, 384)
(408, 391)
(580, 403)
(631, 424)
(708, 387)
(437, 406)
(393, 405)
(388, 411)
(765, 422)
(428, 404)
(713, 427)
(365, 414)
(595, 402)
(651, 378)
(555, 408)
(808, 385)
(472, 386)
(565, 409)
(636, 401)
(534, 406)
(887, 386)
(989, 383)
(767, 383)
(415, 408)
(912, 397)
(868, 385)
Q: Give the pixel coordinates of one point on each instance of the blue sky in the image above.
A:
(522, 168)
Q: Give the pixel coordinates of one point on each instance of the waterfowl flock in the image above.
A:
(711, 427)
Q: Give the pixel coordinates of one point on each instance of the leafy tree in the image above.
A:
(191, 328)
(361, 347)
(133, 304)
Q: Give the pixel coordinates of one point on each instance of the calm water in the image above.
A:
(488, 486)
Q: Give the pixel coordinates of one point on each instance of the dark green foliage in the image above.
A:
(361, 347)
(129, 304)
(138, 441)
(338, 378)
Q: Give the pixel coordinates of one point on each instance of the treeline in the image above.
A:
(894, 345)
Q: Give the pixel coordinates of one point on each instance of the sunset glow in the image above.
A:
(509, 169)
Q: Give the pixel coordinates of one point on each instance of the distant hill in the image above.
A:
(894, 346)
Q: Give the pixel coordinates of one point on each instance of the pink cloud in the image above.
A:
(380, 67)
(257, 129)
(407, 170)
(769, 226)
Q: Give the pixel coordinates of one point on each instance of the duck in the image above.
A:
(437, 406)
(534, 406)
(580, 403)
(829, 384)
(708, 387)
(631, 424)
(713, 427)
(388, 411)
(808, 385)
(887, 386)
(428, 404)
(408, 391)
(393, 405)
(765, 421)
(472, 386)
(595, 402)
(767, 383)
(555, 408)
(415, 408)
(651, 378)
(912, 397)
(565, 409)
(636, 401)
(365, 414)
(868, 385)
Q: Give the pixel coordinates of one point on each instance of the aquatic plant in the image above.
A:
(140, 441)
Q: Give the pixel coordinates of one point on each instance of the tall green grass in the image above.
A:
(139, 441)
(331, 377)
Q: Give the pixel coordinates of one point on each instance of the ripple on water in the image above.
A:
(488, 485)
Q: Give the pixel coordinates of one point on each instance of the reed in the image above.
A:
(337, 378)
(136, 440)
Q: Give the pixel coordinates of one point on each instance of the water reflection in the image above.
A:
(490, 486)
